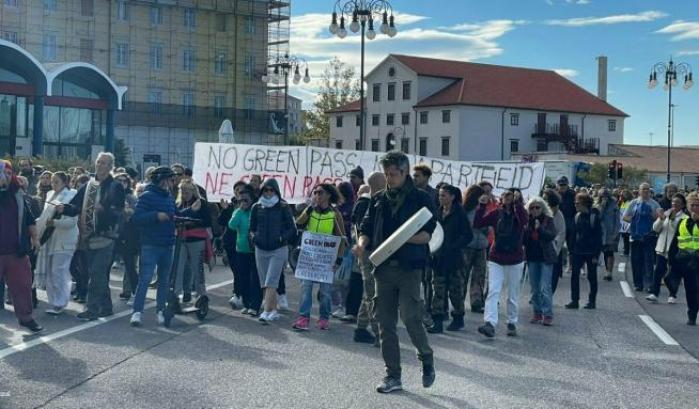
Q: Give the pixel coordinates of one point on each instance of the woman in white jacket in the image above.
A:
(666, 225)
(59, 237)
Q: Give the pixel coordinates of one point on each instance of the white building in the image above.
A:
(294, 108)
(467, 111)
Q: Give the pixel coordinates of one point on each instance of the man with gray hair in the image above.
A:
(641, 214)
(100, 206)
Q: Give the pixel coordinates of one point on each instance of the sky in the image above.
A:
(562, 35)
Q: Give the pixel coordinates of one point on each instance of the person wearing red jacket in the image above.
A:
(506, 257)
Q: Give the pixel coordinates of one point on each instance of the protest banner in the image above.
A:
(298, 169)
(317, 257)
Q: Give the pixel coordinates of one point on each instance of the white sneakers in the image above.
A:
(672, 300)
(268, 316)
(338, 312)
(236, 302)
(652, 298)
(136, 319)
(283, 302)
(54, 311)
(161, 318)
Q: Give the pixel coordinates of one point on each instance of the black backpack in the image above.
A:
(506, 234)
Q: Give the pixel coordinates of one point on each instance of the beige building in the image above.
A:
(187, 64)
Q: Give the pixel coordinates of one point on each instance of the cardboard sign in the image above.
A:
(317, 257)
(298, 169)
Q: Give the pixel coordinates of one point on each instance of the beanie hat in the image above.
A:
(358, 172)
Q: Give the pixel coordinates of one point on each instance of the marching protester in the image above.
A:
(127, 245)
(586, 245)
(422, 173)
(684, 256)
(539, 236)
(246, 278)
(475, 252)
(321, 218)
(609, 214)
(554, 200)
(18, 238)
(365, 316)
(447, 279)
(669, 192)
(640, 215)
(99, 205)
(26, 169)
(398, 279)
(666, 227)
(625, 198)
(272, 229)
(567, 207)
(43, 187)
(58, 236)
(506, 257)
(356, 178)
(343, 276)
(228, 240)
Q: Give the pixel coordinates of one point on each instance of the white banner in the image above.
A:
(298, 169)
(317, 257)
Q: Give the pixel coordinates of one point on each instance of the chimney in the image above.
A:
(602, 77)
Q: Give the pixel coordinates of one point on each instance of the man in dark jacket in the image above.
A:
(17, 240)
(398, 278)
(585, 249)
(100, 205)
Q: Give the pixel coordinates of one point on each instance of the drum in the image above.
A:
(400, 236)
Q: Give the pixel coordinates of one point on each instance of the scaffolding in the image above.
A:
(279, 22)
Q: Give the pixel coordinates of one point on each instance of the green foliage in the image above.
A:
(122, 153)
(339, 86)
(599, 171)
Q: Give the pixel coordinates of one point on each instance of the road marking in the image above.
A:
(64, 333)
(658, 330)
(626, 289)
(621, 267)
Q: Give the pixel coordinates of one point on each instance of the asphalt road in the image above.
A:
(607, 358)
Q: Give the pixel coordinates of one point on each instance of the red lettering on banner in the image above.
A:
(223, 181)
(210, 184)
(289, 186)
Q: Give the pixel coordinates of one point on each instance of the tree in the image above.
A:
(598, 175)
(339, 86)
(122, 153)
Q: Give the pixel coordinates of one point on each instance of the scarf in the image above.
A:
(269, 202)
(396, 197)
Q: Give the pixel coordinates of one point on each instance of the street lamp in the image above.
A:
(284, 66)
(361, 15)
(670, 70)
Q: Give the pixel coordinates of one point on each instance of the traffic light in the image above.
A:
(619, 171)
(611, 173)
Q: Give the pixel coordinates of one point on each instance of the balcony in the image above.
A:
(555, 132)
(566, 135)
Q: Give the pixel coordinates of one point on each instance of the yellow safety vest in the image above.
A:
(323, 223)
(687, 240)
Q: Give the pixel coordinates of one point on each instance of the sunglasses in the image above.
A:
(535, 207)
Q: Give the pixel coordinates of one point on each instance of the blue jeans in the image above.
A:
(540, 280)
(307, 299)
(152, 256)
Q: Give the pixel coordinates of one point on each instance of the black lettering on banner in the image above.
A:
(315, 157)
(341, 168)
(464, 173)
(270, 156)
(248, 161)
(526, 177)
(504, 178)
(488, 173)
(220, 156)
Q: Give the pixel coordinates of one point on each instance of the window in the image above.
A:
(188, 103)
(423, 147)
(87, 8)
(156, 57)
(155, 99)
(406, 90)
(405, 118)
(375, 120)
(542, 145)
(390, 119)
(514, 119)
(446, 117)
(188, 60)
(50, 6)
(10, 36)
(611, 125)
(338, 144)
(376, 93)
(358, 120)
(49, 47)
(374, 145)
(445, 146)
(250, 104)
(338, 121)
(86, 46)
(156, 15)
(123, 12)
(514, 145)
(190, 18)
(391, 91)
(220, 63)
(219, 104)
(220, 23)
(423, 117)
(249, 25)
(249, 64)
(10, 3)
(404, 145)
(357, 145)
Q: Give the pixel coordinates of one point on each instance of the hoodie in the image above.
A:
(272, 227)
(150, 203)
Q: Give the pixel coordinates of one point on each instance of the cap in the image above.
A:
(160, 173)
(358, 172)
(562, 180)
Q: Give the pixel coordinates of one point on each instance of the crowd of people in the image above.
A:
(62, 231)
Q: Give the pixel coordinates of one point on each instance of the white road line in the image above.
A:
(626, 289)
(658, 330)
(621, 267)
(64, 333)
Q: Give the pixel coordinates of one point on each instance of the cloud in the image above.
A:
(623, 69)
(469, 41)
(688, 52)
(615, 19)
(578, 2)
(682, 30)
(567, 72)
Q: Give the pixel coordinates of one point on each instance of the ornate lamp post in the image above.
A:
(670, 70)
(362, 14)
(284, 66)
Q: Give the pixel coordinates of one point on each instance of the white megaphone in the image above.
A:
(225, 133)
